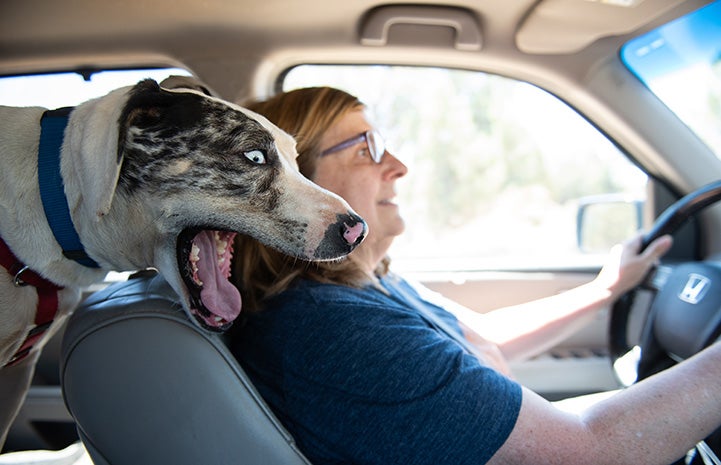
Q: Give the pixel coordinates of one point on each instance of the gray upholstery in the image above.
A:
(146, 386)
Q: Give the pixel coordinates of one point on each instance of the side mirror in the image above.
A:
(604, 221)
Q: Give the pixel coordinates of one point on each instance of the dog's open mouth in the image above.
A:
(204, 260)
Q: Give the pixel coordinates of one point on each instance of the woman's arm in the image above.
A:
(525, 330)
(653, 422)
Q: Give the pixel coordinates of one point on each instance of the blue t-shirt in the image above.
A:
(359, 376)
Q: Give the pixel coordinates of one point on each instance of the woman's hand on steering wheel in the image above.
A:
(678, 335)
(626, 267)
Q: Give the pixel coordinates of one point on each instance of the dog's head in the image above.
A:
(192, 171)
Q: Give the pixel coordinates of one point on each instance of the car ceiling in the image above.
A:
(241, 47)
(236, 45)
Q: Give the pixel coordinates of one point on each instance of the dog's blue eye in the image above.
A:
(256, 156)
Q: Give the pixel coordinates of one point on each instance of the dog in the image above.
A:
(148, 176)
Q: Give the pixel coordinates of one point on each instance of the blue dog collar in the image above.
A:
(52, 190)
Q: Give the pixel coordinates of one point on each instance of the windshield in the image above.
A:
(681, 63)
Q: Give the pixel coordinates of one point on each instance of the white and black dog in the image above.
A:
(143, 177)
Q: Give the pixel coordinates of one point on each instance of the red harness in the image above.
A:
(47, 299)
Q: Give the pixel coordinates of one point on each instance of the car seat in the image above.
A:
(147, 386)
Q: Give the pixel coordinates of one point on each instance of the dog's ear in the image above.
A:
(142, 109)
(93, 133)
(151, 107)
(187, 82)
(92, 139)
(99, 174)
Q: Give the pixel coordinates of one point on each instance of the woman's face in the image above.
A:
(368, 187)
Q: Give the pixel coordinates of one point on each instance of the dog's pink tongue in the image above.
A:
(219, 296)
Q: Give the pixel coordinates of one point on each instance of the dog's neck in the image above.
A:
(52, 191)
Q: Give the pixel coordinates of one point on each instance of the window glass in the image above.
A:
(681, 63)
(497, 167)
(69, 89)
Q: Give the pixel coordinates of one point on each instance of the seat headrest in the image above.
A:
(146, 385)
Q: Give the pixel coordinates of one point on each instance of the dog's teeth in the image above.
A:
(220, 244)
(194, 254)
(194, 259)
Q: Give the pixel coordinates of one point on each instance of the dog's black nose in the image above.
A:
(342, 237)
(354, 232)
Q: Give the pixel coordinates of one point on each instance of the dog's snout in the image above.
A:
(341, 237)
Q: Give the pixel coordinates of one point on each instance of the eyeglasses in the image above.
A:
(376, 145)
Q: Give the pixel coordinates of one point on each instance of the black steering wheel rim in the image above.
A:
(667, 223)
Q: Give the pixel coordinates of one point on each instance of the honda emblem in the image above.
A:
(695, 289)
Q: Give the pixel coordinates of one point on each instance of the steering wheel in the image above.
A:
(685, 313)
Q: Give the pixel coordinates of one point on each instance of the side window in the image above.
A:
(58, 90)
(497, 168)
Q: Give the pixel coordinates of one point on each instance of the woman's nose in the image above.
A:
(394, 168)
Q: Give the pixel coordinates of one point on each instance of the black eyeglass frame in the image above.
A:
(372, 138)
